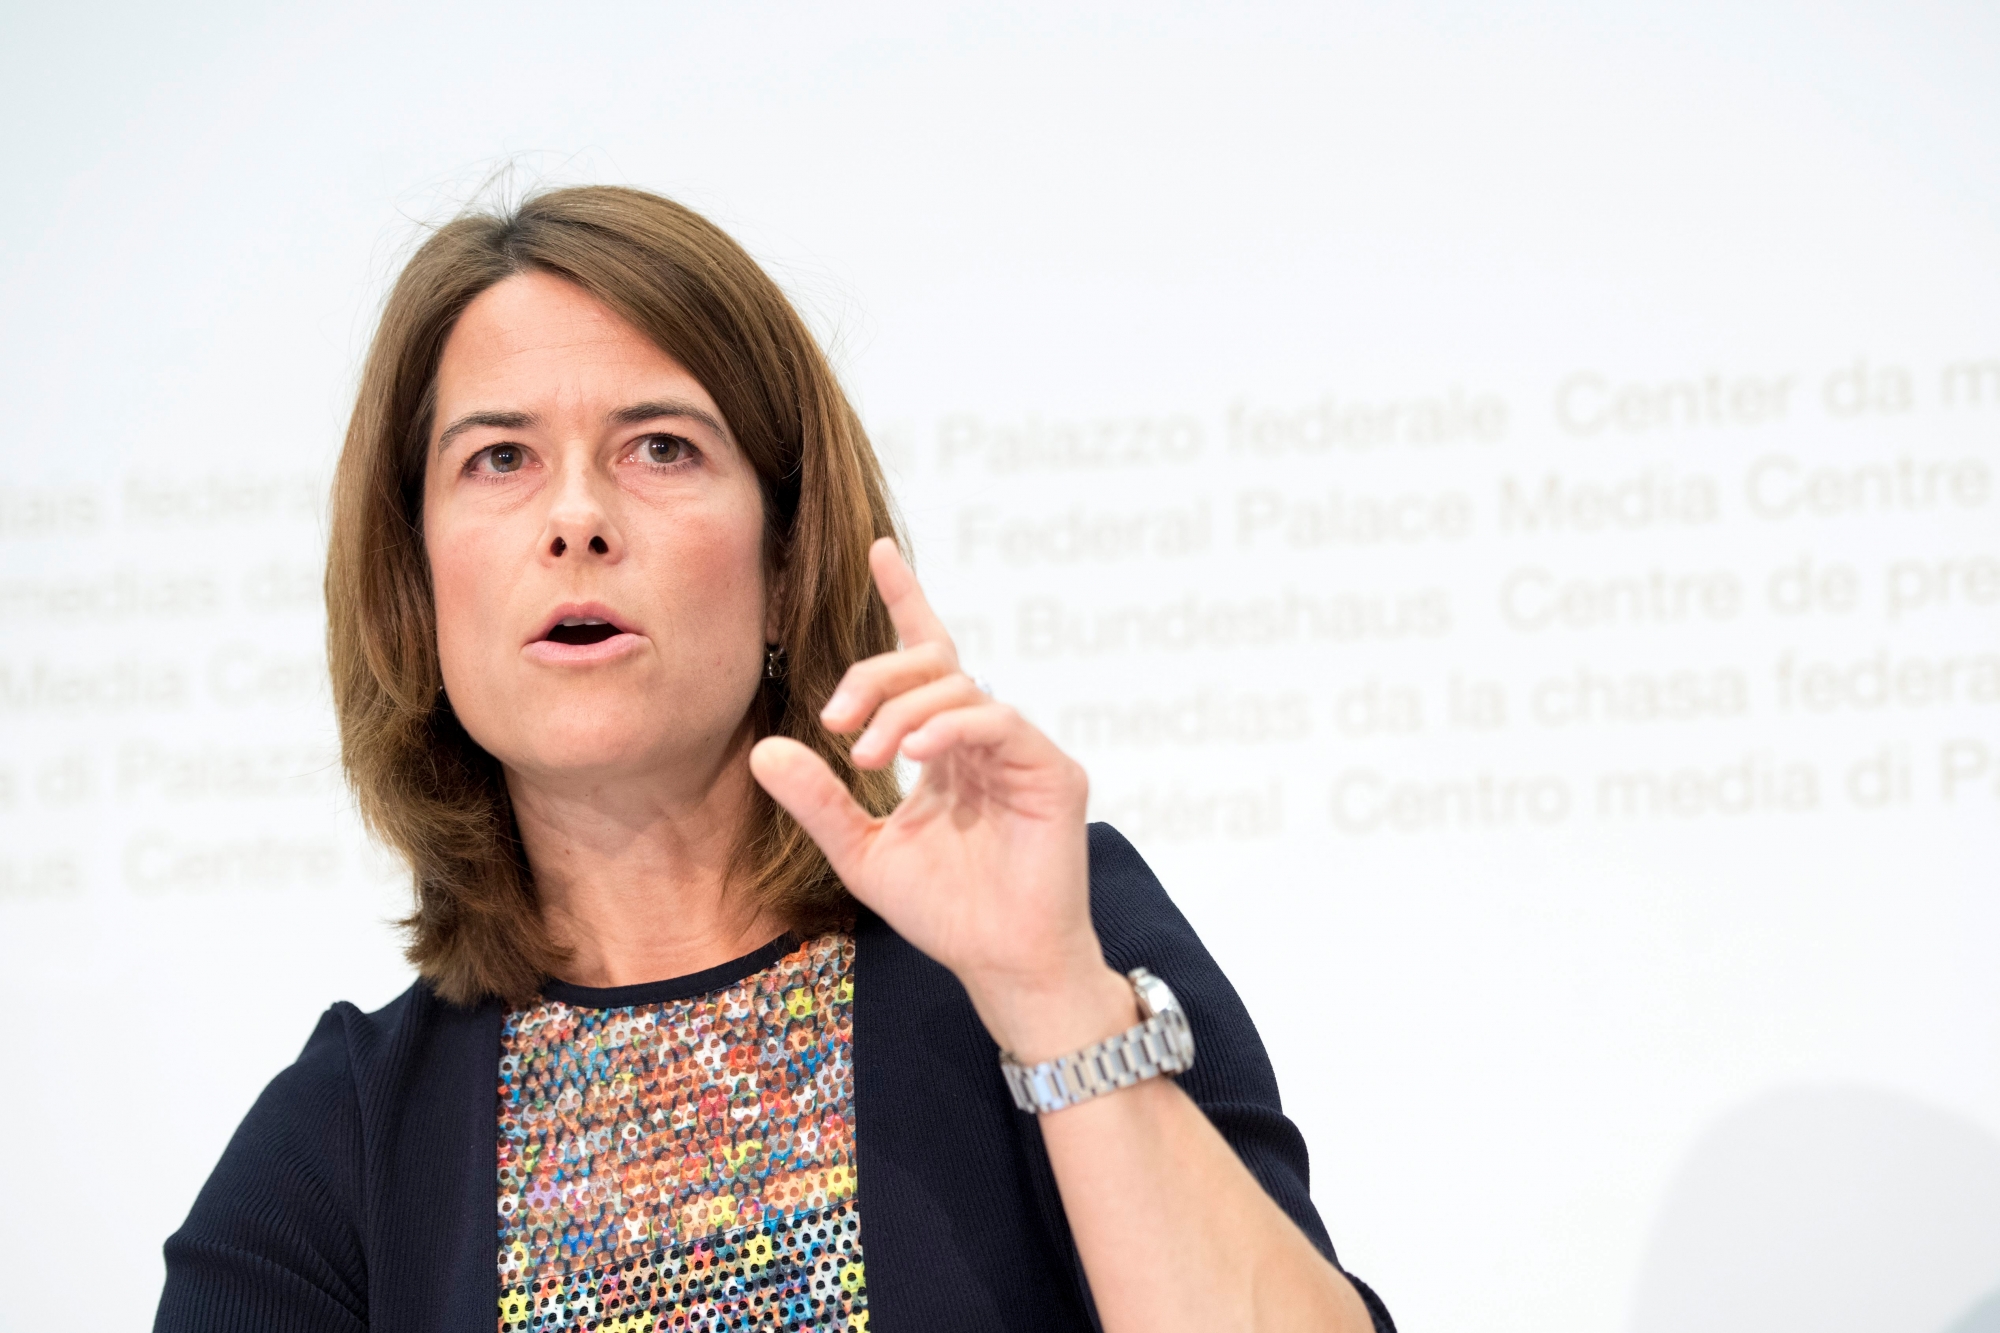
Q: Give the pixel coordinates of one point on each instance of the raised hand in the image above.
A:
(985, 868)
(984, 865)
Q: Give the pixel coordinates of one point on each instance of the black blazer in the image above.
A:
(359, 1191)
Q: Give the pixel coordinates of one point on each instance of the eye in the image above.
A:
(663, 450)
(497, 458)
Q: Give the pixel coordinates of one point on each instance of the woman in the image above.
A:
(715, 1028)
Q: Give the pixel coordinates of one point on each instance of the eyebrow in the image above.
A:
(624, 416)
(667, 407)
(473, 420)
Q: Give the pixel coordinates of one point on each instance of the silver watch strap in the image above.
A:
(1162, 1044)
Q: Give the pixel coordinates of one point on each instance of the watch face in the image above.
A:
(1154, 996)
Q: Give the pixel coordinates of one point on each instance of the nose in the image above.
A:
(580, 519)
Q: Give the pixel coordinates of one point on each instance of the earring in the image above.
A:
(774, 662)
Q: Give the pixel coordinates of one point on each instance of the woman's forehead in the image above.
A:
(537, 336)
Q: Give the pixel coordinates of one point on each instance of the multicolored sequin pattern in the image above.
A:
(687, 1165)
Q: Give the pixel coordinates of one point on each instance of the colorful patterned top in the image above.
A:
(680, 1156)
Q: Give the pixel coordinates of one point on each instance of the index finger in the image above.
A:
(914, 620)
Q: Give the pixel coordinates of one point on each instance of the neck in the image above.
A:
(633, 874)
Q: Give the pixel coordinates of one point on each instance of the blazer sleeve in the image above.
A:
(273, 1242)
(1232, 1080)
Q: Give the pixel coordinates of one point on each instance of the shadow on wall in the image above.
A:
(1981, 1318)
(1829, 1210)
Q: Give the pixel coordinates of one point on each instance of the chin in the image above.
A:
(599, 738)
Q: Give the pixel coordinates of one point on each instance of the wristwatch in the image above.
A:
(1162, 1044)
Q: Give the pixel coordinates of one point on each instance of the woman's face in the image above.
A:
(596, 545)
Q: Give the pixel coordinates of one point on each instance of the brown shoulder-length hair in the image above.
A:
(424, 786)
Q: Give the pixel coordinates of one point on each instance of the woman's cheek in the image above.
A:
(465, 632)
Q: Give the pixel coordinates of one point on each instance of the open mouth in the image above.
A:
(581, 630)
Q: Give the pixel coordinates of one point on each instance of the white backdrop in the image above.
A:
(1502, 498)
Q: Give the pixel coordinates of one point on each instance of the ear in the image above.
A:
(774, 597)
